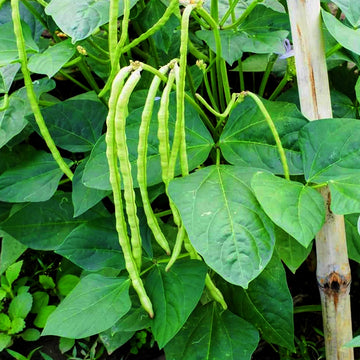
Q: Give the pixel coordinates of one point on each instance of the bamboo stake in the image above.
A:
(333, 270)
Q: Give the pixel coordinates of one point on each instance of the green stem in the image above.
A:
(96, 46)
(244, 15)
(5, 102)
(73, 62)
(266, 75)
(214, 10)
(273, 130)
(279, 88)
(88, 75)
(216, 113)
(31, 93)
(42, 2)
(229, 12)
(78, 83)
(241, 76)
(123, 49)
(333, 50)
(163, 213)
(100, 61)
(209, 92)
(198, 54)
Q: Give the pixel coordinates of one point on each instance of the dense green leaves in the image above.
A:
(198, 143)
(230, 231)
(94, 305)
(267, 304)
(93, 246)
(345, 36)
(75, 124)
(8, 48)
(174, 295)
(351, 9)
(32, 181)
(296, 208)
(323, 162)
(52, 59)
(80, 18)
(247, 139)
(211, 334)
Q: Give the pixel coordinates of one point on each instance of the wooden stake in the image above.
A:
(333, 270)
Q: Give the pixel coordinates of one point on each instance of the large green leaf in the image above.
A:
(94, 305)
(76, 123)
(52, 59)
(224, 221)
(33, 180)
(198, 141)
(7, 75)
(12, 120)
(83, 197)
(296, 208)
(8, 47)
(43, 226)
(247, 139)
(330, 149)
(80, 18)
(267, 304)
(211, 334)
(174, 295)
(345, 36)
(351, 9)
(345, 195)
(352, 236)
(11, 250)
(291, 252)
(93, 246)
(234, 43)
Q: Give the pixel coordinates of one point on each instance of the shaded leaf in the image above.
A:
(11, 250)
(211, 334)
(7, 75)
(94, 305)
(20, 306)
(296, 208)
(351, 9)
(231, 232)
(352, 236)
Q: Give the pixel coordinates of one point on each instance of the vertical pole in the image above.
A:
(333, 270)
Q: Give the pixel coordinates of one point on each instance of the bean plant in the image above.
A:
(158, 146)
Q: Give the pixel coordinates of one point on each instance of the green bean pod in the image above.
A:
(121, 228)
(125, 166)
(163, 127)
(177, 247)
(142, 161)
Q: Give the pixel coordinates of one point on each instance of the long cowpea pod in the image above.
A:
(125, 166)
(121, 228)
(142, 161)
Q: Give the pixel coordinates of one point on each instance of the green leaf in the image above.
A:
(66, 344)
(330, 149)
(17, 325)
(83, 197)
(46, 282)
(235, 43)
(7, 75)
(352, 236)
(13, 272)
(11, 250)
(66, 283)
(345, 36)
(80, 18)
(174, 295)
(70, 124)
(357, 89)
(351, 9)
(296, 208)
(94, 305)
(198, 143)
(345, 195)
(43, 315)
(248, 141)
(40, 300)
(5, 322)
(291, 252)
(31, 335)
(94, 246)
(211, 334)
(43, 226)
(52, 59)
(12, 120)
(20, 306)
(112, 340)
(231, 232)
(33, 180)
(5, 341)
(8, 47)
(355, 342)
(267, 304)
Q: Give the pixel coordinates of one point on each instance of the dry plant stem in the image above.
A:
(31, 94)
(121, 228)
(333, 271)
(142, 162)
(125, 166)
